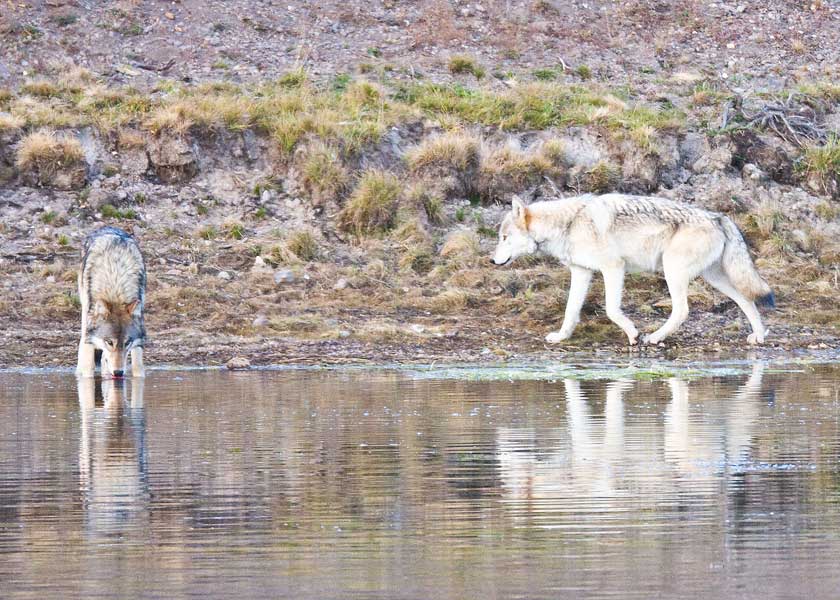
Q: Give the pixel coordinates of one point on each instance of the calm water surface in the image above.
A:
(376, 484)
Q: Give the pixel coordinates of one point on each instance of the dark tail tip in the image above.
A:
(768, 300)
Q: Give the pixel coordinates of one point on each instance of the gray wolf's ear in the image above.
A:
(521, 216)
(130, 306)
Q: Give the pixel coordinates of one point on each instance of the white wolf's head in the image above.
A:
(116, 328)
(514, 237)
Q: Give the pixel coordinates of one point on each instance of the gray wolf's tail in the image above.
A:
(738, 266)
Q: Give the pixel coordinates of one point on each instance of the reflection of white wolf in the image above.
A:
(617, 233)
(112, 288)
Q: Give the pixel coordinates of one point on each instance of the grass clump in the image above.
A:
(303, 244)
(10, 122)
(235, 230)
(372, 206)
(46, 152)
(323, 174)
(208, 232)
(48, 216)
(109, 211)
(40, 88)
(823, 163)
(602, 177)
(456, 149)
(461, 247)
(460, 64)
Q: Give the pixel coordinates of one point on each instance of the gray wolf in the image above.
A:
(112, 290)
(618, 233)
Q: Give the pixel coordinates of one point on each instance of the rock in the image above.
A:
(418, 329)
(260, 321)
(173, 158)
(719, 159)
(692, 147)
(753, 173)
(134, 161)
(97, 198)
(238, 363)
(343, 333)
(341, 284)
(224, 275)
(283, 276)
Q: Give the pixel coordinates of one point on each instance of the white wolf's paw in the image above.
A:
(633, 339)
(650, 339)
(755, 338)
(555, 337)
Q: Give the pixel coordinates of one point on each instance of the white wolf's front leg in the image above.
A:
(137, 369)
(579, 286)
(613, 287)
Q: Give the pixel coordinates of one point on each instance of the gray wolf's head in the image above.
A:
(514, 237)
(116, 328)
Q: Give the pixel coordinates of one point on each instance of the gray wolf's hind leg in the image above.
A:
(718, 280)
(613, 288)
(579, 286)
(137, 369)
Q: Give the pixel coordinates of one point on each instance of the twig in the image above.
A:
(161, 69)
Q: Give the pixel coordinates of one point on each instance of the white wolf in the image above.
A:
(618, 233)
(112, 289)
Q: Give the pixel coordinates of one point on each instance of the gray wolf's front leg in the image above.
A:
(86, 364)
(579, 286)
(137, 369)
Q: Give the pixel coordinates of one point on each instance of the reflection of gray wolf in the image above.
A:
(112, 287)
(617, 233)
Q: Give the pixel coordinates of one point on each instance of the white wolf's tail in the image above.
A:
(738, 266)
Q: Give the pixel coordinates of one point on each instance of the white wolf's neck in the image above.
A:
(550, 222)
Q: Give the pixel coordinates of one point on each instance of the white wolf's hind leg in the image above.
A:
(718, 280)
(678, 281)
(581, 278)
(613, 287)
(137, 369)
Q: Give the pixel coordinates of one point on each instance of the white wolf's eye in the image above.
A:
(110, 343)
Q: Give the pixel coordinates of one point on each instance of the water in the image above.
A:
(380, 484)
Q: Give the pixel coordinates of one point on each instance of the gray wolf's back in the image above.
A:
(112, 266)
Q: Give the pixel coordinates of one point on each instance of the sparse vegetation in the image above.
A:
(372, 206)
(823, 163)
(109, 211)
(460, 64)
(303, 244)
(234, 230)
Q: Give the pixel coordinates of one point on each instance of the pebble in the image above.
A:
(224, 275)
(341, 284)
(237, 363)
(260, 321)
(284, 276)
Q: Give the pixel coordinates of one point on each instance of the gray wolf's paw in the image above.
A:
(555, 337)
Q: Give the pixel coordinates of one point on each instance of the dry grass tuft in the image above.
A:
(322, 174)
(461, 247)
(10, 122)
(46, 152)
(455, 149)
(303, 244)
(372, 207)
(40, 88)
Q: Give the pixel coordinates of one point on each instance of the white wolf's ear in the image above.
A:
(521, 215)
